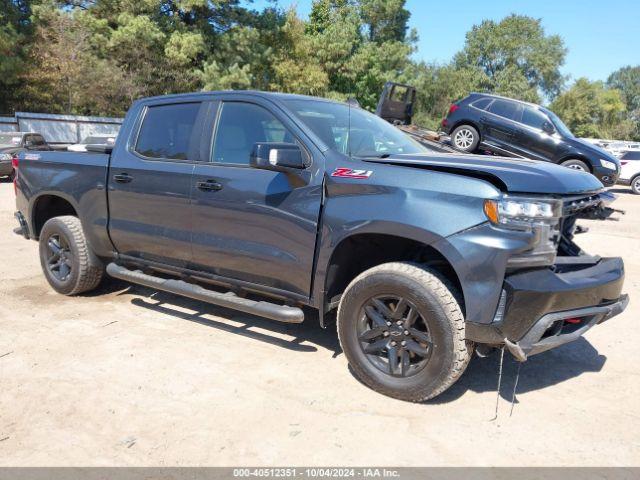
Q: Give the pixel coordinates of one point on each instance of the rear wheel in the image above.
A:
(12, 175)
(402, 331)
(635, 185)
(465, 138)
(576, 164)
(68, 263)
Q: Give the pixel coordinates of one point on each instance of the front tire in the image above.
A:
(402, 331)
(465, 138)
(68, 263)
(635, 185)
(576, 164)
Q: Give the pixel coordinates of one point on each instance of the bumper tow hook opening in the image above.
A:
(515, 350)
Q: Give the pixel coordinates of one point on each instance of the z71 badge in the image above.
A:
(345, 172)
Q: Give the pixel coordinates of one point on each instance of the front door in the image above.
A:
(498, 125)
(150, 184)
(253, 225)
(533, 140)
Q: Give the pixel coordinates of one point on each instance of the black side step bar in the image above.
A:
(273, 311)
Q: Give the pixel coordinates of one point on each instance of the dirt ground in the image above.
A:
(129, 376)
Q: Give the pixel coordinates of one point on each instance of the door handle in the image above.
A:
(122, 177)
(209, 186)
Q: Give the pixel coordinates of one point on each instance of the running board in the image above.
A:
(273, 311)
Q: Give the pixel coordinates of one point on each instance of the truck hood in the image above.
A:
(508, 174)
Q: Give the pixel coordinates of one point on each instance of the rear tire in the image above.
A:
(425, 336)
(576, 164)
(465, 138)
(635, 185)
(12, 175)
(68, 263)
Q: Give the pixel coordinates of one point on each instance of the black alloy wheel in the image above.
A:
(394, 336)
(59, 257)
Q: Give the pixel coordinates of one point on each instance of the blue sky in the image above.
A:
(601, 35)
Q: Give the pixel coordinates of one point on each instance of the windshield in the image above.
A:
(352, 130)
(10, 139)
(559, 124)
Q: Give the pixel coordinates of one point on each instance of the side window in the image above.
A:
(38, 141)
(505, 109)
(482, 104)
(534, 118)
(240, 126)
(398, 93)
(631, 156)
(168, 132)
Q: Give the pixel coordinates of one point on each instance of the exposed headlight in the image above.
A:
(539, 216)
(607, 164)
(522, 213)
(5, 156)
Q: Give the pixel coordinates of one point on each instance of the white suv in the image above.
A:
(630, 170)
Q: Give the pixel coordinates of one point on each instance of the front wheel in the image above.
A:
(68, 263)
(465, 138)
(402, 331)
(575, 164)
(635, 185)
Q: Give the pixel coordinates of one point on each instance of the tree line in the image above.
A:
(94, 57)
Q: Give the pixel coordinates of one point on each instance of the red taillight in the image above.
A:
(573, 320)
(453, 108)
(15, 161)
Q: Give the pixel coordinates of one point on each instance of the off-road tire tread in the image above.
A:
(449, 298)
(90, 268)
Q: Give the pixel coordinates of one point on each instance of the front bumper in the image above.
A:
(545, 308)
(606, 176)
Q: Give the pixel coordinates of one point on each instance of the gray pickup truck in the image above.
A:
(268, 203)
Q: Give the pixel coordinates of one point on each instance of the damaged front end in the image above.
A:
(553, 291)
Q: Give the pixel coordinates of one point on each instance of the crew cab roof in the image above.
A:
(239, 93)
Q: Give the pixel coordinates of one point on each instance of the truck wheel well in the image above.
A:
(47, 207)
(361, 252)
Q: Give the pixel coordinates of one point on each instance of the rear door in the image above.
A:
(252, 225)
(150, 182)
(498, 123)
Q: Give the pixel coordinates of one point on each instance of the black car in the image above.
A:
(520, 129)
(12, 143)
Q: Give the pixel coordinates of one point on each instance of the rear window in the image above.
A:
(505, 109)
(482, 104)
(167, 131)
(631, 156)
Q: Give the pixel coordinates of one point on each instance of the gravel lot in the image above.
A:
(129, 376)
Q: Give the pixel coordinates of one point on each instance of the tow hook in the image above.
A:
(516, 350)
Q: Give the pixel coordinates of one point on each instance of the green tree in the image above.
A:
(591, 110)
(515, 53)
(15, 28)
(627, 80)
(386, 20)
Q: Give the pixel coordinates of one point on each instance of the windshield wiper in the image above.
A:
(372, 155)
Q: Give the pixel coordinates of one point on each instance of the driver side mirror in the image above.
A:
(548, 127)
(280, 157)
